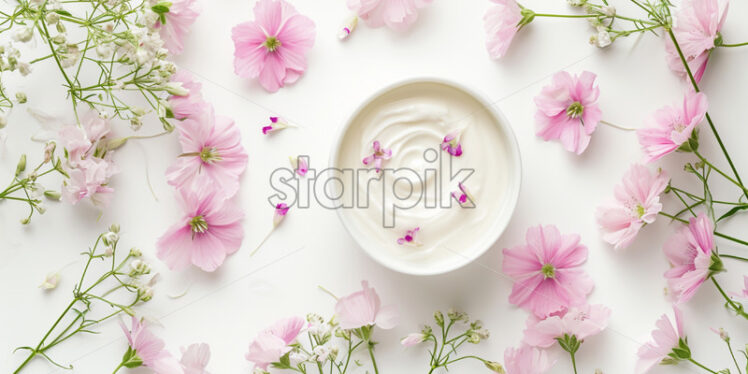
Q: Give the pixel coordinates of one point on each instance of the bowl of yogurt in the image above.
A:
(427, 175)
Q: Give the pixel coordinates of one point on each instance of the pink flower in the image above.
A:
(300, 165)
(276, 124)
(398, 15)
(527, 360)
(181, 14)
(690, 254)
(212, 154)
(581, 322)
(697, 27)
(501, 23)
(413, 339)
(409, 238)
(380, 154)
(280, 213)
(546, 271)
(567, 110)
(149, 348)
(451, 144)
(665, 338)
(271, 344)
(363, 308)
(195, 358)
(210, 230)
(273, 47)
(89, 162)
(192, 104)
(464, 198)
(671, 127)
(637, 205)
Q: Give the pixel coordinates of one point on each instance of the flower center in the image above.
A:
(548, 271)
(679, 127)
(210, 155)
(198, 224)
(640, 211)
(272, 43)
(575, 110)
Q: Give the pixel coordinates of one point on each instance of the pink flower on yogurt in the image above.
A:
(380, 155)
(451, 143)
(276, 124)
(409, 238)
(464, 197)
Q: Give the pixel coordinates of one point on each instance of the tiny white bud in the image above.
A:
(50, 281)
(24, 68)
(24, 34)
(608, 10)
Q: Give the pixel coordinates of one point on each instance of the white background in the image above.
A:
(227, 308)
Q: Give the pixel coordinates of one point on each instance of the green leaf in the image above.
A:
(732, 211)
(63, 12)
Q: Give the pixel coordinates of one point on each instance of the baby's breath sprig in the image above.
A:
(25, 186)
(444, 353)
(108, 52)
(117, 289)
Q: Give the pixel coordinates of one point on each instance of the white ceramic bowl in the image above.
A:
(505, 207)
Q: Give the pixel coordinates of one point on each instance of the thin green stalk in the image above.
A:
(732, 45)
(701, 366)
(734, 306)
(733, 257)
(729, 348)
(573, 362)
(566, 15)
(371, 354)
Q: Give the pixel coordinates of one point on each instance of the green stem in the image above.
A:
(729, 348)
(734, 306)
(722, 173)
(732, 45)
(573, 362)
(371, 354)
(566, 15)
(463, 358)
(734, 257)
(121, 364)
(701, 366)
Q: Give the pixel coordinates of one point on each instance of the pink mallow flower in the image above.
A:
(451, 143)
(664, 339)
(149, 349)
(670, 127)
(276, 124)
(363, 308)
(501, 22)
(637, 204)
(273, 47)
(272, 343)
(209, 230)
(410, 237)
(212, 153)
(568, 111)
(398, 15)
(175, 23)
(190, 105)
(581, 322)
(464, 197)
(195, 358)
(89, 164)
(690, 252)
(527, 360)
(380, 155)
(697, 30)
(546, 271)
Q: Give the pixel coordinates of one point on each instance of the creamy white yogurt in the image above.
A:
(414, 187)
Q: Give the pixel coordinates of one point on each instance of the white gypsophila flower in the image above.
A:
(603, 38)
(41, 208)
(176, 89)
(24, 68)
(110, 238)
(23, 34)
(71, 56)
(108, 252)
(608, 10)
(104, 50)
(297, 358)
(52, 18)
(576, 2)
(321, 352)
(50, 281)
(139, 267)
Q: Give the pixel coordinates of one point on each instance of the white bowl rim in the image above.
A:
(501, 222)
